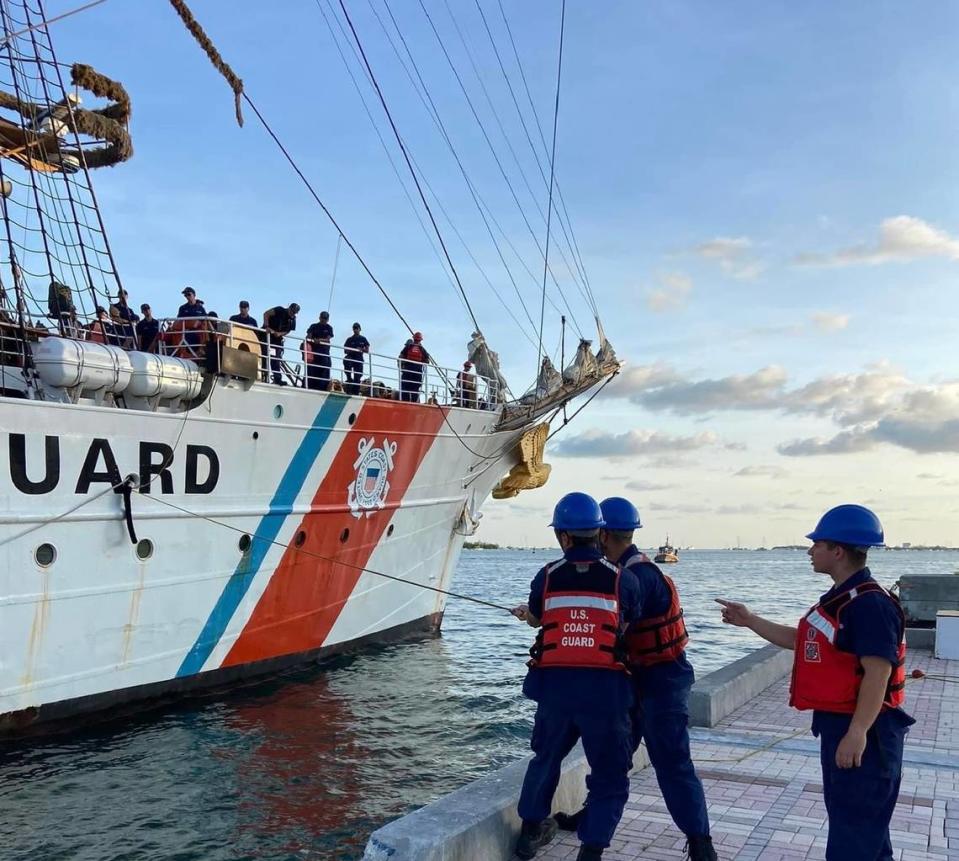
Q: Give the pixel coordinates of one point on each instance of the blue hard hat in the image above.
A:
(849, 524)
(577, 511)
(620, 514)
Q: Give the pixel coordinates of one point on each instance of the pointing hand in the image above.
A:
(735, 613)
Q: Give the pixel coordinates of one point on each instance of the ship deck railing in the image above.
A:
(304, 364)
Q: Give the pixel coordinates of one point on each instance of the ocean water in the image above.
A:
(305, 766)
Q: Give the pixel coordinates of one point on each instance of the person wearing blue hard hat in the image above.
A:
(849, 669)
(577, 676)
(662, 678)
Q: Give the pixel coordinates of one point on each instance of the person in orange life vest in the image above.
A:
(413, 357)
(662, 678)
(466, 387)
(577, 677)
(849, 668)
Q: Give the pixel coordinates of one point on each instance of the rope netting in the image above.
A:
(58, 258)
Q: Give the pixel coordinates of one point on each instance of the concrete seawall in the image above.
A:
(719, 694)
(479, 821)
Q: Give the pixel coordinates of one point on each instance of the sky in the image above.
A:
(763, 196)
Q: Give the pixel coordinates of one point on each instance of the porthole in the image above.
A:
(300, 539)
(352, 418)
(256, 434)
(45, 555)
(389, 531)
(144, 549)
(245, 543)
(344, 535)
(278, 411)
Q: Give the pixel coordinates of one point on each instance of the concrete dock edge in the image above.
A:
(719, 694)
(478, 820)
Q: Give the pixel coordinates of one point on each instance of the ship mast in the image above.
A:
(56, 242)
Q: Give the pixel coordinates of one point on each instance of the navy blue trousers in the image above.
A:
(661, 719)
(860, 801)
(607, 743)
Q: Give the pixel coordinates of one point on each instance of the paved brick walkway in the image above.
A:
(765, 804)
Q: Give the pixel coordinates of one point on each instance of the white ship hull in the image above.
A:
(322, 485)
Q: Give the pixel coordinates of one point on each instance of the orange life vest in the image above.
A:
(581, 617)
(658, 639)
(184, 345)
(825, 677)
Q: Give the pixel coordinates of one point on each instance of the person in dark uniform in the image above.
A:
(318, 336)
(148, 330)
(244, 316)
(124, 320)
(849, 669)
(578, 680)
(355, 349)
(278, 323)
(413, 358)
(662, 678)
(193, 307)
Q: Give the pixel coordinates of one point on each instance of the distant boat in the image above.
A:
(667, 553)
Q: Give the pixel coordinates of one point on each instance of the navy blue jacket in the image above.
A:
(582, 690)
(654, 598)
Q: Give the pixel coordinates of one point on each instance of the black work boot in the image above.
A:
(700, 848)
(534, 836)
(569, 821)
(589, 853)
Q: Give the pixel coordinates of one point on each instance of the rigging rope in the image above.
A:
(552, 173)
(236, 84)
(409, 164)
(492, 149)
(333, 559)
(542, 136)
(336, 262)
(52, 20)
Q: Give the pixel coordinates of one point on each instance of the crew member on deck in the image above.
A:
(148, 329)
(466, 387)
(244, 316)
(318, 336)
(124, 319)
(662, 678)
(578, 679)
(413, 359)
(355, 349)
(849, 668)
(193, 307)
(279, 322)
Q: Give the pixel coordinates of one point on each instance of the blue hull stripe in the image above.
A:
(266, 532)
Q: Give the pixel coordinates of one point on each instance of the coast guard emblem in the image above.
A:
(368, 491)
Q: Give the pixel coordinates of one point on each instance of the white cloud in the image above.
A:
(900, 239)
(761, 471)
(826, 322)
(878, 405)
(672, 293)
(924, 420)
(645, 486)
(733, 254)
(597, 443)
